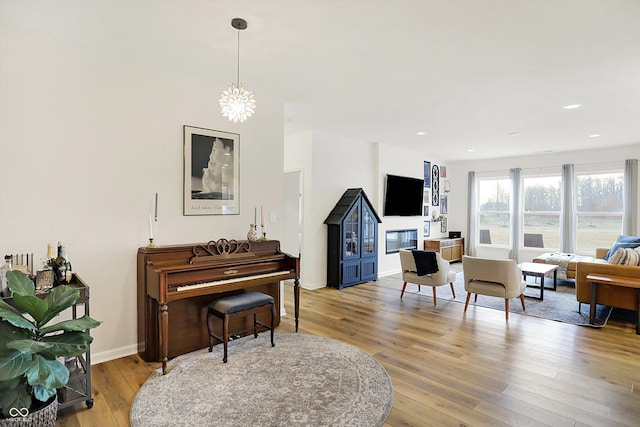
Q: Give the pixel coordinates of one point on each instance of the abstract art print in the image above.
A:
(211, 172)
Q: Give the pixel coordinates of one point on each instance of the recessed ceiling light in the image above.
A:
(470, 150)
(421, 133)
(594, 135)
(572, 106)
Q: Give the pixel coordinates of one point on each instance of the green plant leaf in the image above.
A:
(29, 346)
(20, 283)
(13, 363)
(58, 299)
(16, 397)
(47, 373)
(33, 305)
(42, 393)
(9, 332)
(13, 316)
(70, 343)
(80, 324)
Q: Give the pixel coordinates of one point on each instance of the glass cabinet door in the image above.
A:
(369, 224)
(350, 238)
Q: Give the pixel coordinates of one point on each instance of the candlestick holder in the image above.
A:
(152, 243)
(264, 236)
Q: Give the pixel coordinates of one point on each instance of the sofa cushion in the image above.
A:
(625, 256)
(623, 242)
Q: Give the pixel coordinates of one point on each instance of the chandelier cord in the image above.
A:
(238, 75)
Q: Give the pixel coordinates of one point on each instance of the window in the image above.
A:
(542, 204)
(494, 196)
(598, 209)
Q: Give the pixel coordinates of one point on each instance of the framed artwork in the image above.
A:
(427, 174)
(435, 186)
(426, 231)
(426, 199)
(443, 171)
(211, 172)
(443, 225)
(425, 210)
(443, 204)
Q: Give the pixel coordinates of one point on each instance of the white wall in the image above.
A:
(93, 102)
(331, 164)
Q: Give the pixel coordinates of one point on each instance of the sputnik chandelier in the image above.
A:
(237, 102)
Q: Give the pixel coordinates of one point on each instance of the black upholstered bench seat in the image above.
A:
(240, 302)
(239, 305)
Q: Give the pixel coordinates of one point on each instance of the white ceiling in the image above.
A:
(470, 73)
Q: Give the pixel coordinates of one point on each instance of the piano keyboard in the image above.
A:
(233, 280)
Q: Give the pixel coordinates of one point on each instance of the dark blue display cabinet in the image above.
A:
(352, 250)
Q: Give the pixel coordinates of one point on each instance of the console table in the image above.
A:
(611, 280)
(450, 249)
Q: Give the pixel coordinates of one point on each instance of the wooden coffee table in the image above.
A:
(537, 269)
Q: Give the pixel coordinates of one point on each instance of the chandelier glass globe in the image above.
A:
(237, 103)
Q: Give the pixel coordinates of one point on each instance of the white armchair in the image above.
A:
(494, 277)
(410, 273)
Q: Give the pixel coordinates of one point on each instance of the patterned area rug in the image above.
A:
(560, 305)
(305, 380)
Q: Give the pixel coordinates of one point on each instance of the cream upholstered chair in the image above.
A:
(494, 277)
(410, 273)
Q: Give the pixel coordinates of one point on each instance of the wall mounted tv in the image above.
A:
(403, 196)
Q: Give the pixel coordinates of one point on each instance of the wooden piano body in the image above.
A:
(174, 289)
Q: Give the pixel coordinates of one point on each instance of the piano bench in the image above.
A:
(235, 306)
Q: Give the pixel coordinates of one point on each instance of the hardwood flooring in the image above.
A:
(447, 369)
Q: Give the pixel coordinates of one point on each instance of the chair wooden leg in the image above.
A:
(434, 295)
(418, 288)
(403, 288)
(453, 291)
(209, 329)
(466, 303)
(225, 336)
(475, 299)
(273, 323)
(506, 308)
(255, 325)
(522, 301)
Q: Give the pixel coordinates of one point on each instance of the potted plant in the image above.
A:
(30, 372)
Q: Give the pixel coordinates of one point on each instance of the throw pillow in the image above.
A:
(625, 256)
(623, 242)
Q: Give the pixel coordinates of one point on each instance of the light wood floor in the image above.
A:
(447, 369)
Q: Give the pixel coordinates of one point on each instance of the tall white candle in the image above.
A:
(261, 216)
(255, 216)
(156, 206)
(150, 226)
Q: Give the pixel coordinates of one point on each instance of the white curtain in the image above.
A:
(471, 214)
(514, 238)
(567, 215)
(630, 198)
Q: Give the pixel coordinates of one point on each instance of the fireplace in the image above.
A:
(401, 239)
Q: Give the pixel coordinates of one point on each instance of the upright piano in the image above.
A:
(175, 284)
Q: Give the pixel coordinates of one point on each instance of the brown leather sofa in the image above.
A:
(614, 296)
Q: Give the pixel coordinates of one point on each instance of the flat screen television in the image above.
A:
(403, 196)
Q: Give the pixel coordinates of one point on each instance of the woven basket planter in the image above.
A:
(43, 417)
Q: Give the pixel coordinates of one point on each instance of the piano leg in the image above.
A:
(163, 314)
(296, 300)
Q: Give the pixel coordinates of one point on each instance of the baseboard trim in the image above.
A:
(116, 353)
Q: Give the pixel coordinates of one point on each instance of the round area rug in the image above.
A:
(305, 380)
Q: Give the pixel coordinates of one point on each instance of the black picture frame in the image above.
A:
(427, 174)
(211, 172)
